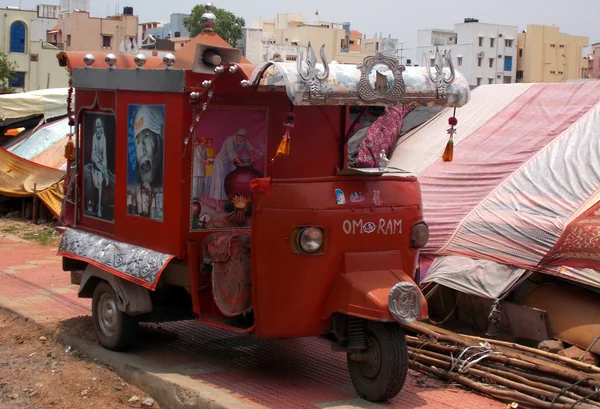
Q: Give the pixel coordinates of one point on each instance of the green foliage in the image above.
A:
(228, 26)
(7, 72)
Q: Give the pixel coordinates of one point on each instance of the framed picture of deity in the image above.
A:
(228, 151)
(99, 130)
(145, 161)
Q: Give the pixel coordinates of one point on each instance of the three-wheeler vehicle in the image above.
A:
(203, 187)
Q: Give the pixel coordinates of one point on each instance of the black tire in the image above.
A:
(383, 376)
(115, 330)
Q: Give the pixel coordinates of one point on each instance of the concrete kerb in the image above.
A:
(169, 390)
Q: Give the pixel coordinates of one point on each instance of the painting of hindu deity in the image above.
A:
(99, 165)
(228, 153)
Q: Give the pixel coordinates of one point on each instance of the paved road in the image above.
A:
(286, 374)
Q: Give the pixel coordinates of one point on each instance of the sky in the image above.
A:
(400, 18)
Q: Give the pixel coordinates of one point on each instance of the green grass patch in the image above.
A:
(10, 229)
(43, 237)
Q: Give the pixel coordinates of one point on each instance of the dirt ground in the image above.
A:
(42, 233)
(38, 372)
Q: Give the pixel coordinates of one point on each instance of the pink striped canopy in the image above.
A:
(526, 167)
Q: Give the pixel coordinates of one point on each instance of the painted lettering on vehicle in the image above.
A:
(383, 226)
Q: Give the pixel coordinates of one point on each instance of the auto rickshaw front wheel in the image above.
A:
(115, 330)
(379, 372)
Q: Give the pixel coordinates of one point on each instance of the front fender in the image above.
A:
(364, 294)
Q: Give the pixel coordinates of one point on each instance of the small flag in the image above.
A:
(317, 13)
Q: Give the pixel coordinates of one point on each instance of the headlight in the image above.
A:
(420, 236)
(405, 302)
(310, 239)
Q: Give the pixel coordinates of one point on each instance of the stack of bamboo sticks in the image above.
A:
(505, 371)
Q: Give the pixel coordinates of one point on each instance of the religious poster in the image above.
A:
(145, 161)
(229, 151)
(99, 166)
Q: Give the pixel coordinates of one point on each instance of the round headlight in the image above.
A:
(310, 239)
(420, 236)
(405, 302)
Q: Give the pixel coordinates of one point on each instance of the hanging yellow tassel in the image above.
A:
(285, 144)
(70, 149)
(449, 151)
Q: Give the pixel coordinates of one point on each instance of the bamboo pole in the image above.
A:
(516, 362)
(512, 381)
(502, 394)
(571, 362)
(34, 212)
(533, 392)
(507, 357)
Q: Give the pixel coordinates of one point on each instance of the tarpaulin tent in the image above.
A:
(36, 158)
(525, 174)
(22, 178)
(47, 102)
(45, 146)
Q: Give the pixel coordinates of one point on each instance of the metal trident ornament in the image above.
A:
(441, 79)
(312, 75)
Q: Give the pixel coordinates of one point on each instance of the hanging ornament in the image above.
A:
(70, 146)
(70, 149)
(284, 145)
(449, 151)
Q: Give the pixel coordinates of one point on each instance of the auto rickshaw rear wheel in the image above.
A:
(379, 372)
(115, 330)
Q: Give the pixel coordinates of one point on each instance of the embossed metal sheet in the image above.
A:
(138, 264)
(342, 85)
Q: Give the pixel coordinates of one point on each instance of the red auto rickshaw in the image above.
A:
(184, 201)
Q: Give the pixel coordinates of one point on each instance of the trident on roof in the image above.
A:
(312, 74)
(441, 79)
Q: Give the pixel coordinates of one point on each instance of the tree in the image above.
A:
(228, 25)
(7, 72)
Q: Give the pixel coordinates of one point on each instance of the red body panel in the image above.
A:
(291, 290)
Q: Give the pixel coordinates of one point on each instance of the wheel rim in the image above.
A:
(369, 368)
(107, 315)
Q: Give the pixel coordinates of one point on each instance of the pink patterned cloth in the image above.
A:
(382, 135)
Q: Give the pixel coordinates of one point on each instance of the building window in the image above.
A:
(492, 42)
(290, 57)
(18, 80)
(507, 79)
(560, 72)
(481, 41)
(18, 33)
(552, 72)
(358, 41)
(520, 52)
(508, 63)
(562, 46)
(478, 81)
(553, 45)
(508, 43)
(351, 41)
(490, 80)
(459, 60)
(520, 74)
(491, 63)
(68, 40)
(479, 60)
(106, 41)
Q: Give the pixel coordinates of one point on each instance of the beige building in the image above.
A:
(546, 55)
(77, 31)
(594, 62)
(22, 39)
(286, 32)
